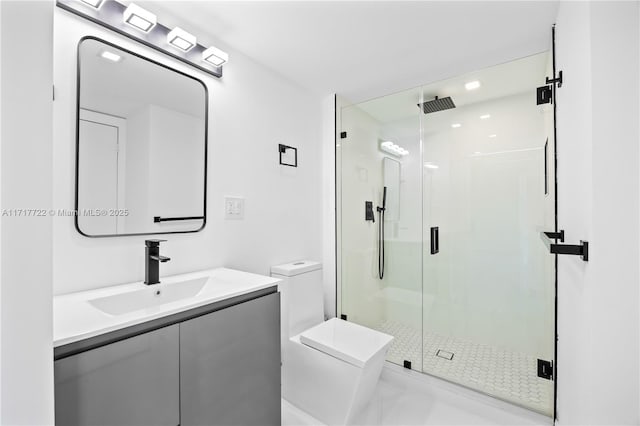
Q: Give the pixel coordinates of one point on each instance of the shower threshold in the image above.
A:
(504, 374)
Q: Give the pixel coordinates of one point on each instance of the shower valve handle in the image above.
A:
(368, 211)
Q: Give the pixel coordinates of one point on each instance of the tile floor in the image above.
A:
(404, 397)
(508, 375)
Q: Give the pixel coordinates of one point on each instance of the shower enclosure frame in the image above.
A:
(337, 163)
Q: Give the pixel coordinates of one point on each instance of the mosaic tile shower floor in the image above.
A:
(507, 375)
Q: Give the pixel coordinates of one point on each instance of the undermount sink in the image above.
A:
(149, 297)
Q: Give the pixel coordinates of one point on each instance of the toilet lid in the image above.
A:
(347, 341)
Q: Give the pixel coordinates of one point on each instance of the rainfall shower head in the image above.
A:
(436, 105)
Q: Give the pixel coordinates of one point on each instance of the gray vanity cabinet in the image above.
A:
(230, 365)
(134, 381)
(217, 364)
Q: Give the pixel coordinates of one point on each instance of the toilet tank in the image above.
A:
(301, 296)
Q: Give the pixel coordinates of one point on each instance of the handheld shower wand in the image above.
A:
(381, 233)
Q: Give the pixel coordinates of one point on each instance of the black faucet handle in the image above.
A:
(153, 243)
(160, 258)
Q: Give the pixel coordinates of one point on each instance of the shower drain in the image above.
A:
(444, 354)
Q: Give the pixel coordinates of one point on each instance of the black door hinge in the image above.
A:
(557, 80)
(407, 364)
(545, 369)
(343, 317)
(544, 95)
(343, 135)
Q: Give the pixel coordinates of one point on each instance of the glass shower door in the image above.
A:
(380, 252)
(450, 262)
(488, 289)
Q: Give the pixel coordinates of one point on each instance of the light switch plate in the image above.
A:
(233, 208)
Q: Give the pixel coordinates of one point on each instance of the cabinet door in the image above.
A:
(131, 382)
(230, 365)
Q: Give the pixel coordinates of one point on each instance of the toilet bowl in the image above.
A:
(329, 368)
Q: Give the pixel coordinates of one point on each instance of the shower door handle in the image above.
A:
(435, 240)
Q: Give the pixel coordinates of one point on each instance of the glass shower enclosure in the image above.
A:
(442, 192)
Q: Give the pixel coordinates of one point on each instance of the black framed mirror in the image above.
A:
(141, 145)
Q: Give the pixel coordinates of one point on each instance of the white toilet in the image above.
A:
(329, 368)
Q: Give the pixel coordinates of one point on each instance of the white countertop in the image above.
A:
(76, 318)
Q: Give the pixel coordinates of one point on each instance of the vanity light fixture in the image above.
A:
(139, 18)
(93, 3)
(472, 85)
(181, 39)
(141, 25)
(393, 149)
(456, 125)
(485, 116)
(215, 56)
(110, 56)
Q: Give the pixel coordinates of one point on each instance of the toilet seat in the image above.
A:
(347, 341)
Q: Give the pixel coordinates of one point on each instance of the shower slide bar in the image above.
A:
(581, 249)
(381, 211)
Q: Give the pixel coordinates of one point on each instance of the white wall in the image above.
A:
(176, 167)
(252, 109)
(26, 262)
(137, 171)
(164, 170)
(597, 365)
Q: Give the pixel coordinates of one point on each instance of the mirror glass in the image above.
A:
(141, 145)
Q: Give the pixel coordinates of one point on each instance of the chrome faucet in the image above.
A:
(152, 261)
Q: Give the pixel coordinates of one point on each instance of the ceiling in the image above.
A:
(364, 49)
(515, 77)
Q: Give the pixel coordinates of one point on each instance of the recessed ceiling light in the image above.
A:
(493, 135)
(181, 39)
(485, 116)
(215, 56)
(93, 3)
(431, 166)
(113, 57)
(472, 85)
(139, 18)
(456, 125)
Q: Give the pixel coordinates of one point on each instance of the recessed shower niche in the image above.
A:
(141, 145)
